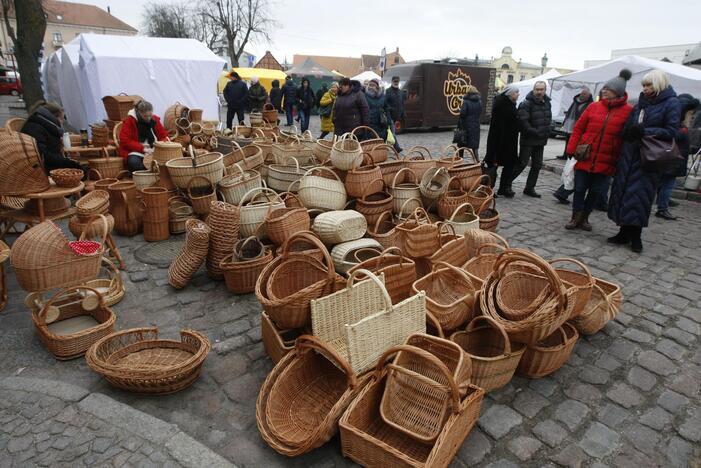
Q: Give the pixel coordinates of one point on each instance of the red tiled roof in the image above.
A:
(80, 14)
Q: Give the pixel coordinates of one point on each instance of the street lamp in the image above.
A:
(543, 63)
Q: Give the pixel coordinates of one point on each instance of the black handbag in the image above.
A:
(659, 155)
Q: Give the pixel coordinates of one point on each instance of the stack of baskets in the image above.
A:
(192, 255)
(156, 215)
(223, 221)
(100, 135)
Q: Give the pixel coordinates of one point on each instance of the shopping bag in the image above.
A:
(568, 174)
(390, 136)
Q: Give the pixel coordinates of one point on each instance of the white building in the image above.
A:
(668, 53)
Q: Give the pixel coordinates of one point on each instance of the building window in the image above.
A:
(58, 37)
(523, 77)
(396, 59)
(510, 79)
(505, 66)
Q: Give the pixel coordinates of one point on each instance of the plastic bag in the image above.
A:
(390, 136)
(568, 174)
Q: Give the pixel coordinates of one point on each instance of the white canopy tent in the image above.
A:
(50, 75)
(70, 87)
(367, 75)
(161, 70)
(564, 88)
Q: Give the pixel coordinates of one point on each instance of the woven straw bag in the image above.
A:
(252, 158)
(360, 322)
(346, 153)
(234, 186)
(494, 358)
(281, 176)
(399, 272)
(488, 215)
(368, 440)
(434, 184)
(421, 236)
(581, 282)
(283, 223)
(453, 197)
(480, 193)
(603, 306)
(463, 222)
(364, 179)
(549, 354)
(407, 195)
(334, 227)
(419, 160)
(322, 193)
(201, 197)
(240, 276)
(253, 210)
(209, 165)
(348, 254)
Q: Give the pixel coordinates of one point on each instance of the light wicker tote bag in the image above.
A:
(360, 322)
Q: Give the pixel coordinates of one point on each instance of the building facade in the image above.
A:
(64, 22)
(668, 53)
(351, 66)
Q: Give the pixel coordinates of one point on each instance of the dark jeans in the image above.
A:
(664, 193)
(135, 162)
(563, 193)
(304, 116)
(230, 112)
(588, 189)
(289, 112)
(534, 154)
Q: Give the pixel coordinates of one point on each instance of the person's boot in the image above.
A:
(560, 198)
(621, 238)
(665, 214)
(506, 192)
(531, 193)
(636, 243)
(584, 223)
(575, 221)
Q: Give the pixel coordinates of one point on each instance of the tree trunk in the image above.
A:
(31, 25)
(232, 51)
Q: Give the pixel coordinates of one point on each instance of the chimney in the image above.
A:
(108, 10)
(397, 50)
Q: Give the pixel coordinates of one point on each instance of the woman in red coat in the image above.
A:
(140, 130)
(600, 126)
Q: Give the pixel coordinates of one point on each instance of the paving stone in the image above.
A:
(621, 349)
(529, 403)
(656, 418)
(639, 377)
(607, 362)
(502, 463)
(498, 420)
(594, 375)
(544, 386)
(672, 401)
(624, 395)
(678, 452)
(612, 415)
(670, 349)
(550, 432)
(571, 456)
(643, 438)
(657, 363)
(138, 276)
(524, 447)
(680, 336)
(476, 447)
(599, 441)
(571, 413)
(583, 392)
(691, 428)
(639, 336)
(687, 383)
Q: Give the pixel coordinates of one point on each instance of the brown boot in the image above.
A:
(584, 223)
(574, 222)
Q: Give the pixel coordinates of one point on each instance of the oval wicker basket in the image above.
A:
(209, 165)
(407, 195)
(463, 222)
(234, 186)
(240, 276)
(20, 162)
(549, 354)
(346, 153)
(253, 211)
(334, 227)
(348, 254)
(95, 202)
(322, 193)
(67, 177)
(603, 306)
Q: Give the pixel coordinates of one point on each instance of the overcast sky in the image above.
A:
(570, 32)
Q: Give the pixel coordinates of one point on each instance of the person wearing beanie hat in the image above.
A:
(618, 83)
(596, 141)
(236, 96)
(378, 112)
(657, 114)
(257, 95)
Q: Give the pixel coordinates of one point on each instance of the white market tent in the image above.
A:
(564, 88)
(367, 75)
(161, 70)
(526, 86)
(50, 77)
(70, 87)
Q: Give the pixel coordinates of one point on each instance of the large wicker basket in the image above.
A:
(21, 167)
(118, 107)
(137, 360)
(209, 165)
(549, 354)
(603, 306)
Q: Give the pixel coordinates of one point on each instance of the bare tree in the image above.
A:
(204, 29)
(31, 25)
(241, 21)
(167, 20)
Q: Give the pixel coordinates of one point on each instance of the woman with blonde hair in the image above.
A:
(657, 114)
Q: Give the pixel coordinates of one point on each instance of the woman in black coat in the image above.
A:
(45, 126)
(657, 114)
(351, 108)
(502, 140)
(468, 130)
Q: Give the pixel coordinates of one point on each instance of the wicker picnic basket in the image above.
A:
(139, 361)
(240, 275)
(433, 185)
(450, 295)
(418, 159)
(118, 107)
(346, 153)
(549, 354)
(322, 149)
(369, 441)
(453, 197)
(547, 306)
(293, 148)
(277, 342)
(603, 306)
(581, 282)
(192, 254)
(418, 398)
(399, 272)
(234, 186)
(164, 151)
(406, 194)
(360, 322)
(66, 306)
(334, 227)
(494, 358)
(364, 179)
(67, 177)
(287, 285)
(209, 165)
(452, 251)
(252, 158)
(20, 161)
(320, 192)
(421, 236)
(202, 196)
(281, 176)
(303, 397)
(95, 202)
(463, 222)
(111, 287)
(224, 222)
(43, 259)
(253, 207)
(283, 223)
(107, 166)
(348, 254)
(488, 215)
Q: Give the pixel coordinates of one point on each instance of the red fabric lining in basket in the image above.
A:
(85, 247)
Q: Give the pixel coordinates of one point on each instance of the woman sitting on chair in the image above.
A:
(140, 130)
(45, 125)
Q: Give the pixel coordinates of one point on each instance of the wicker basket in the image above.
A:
(322, 149)
(192, 254)
(118, 107)
(450, 295)
(224, 222)
(480, 194)
(453, 197)
(474, 238)
(95, 202)
(283, 223)
(107, 166)
(282, 176)
(407, 195)
(452, 251)
(494, 358)
(253, 211)
(270, 113)
(100, 135)
(421, 236)
(385, 230)
(581, 282)
(172, 114)
(466, 173)
(70, 343)
(252, 158)
(372, 204)
(348, 254)
(369, 441)
(463, 222)
(346, 153)
(67, 177)
(293, 148)
(241, 275)
(43, 259)
(364, 180)
(373, 146)
(434, 184)
(209, 165)
(335, 227)
(138, 361)
(399, 272)
(390, 167)
(420, 393)
(164, 151)
(277, 342)
(548, 355)
(201, 197)
(320, 192)
(418, 160)
(488, 215)
(92, 225)
(360, 322)
(111, 287)
(234, 186)
(21, 166)
(453, 157)
(303, 397)
(147, 178)
(603, 306)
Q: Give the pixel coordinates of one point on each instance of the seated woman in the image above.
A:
(45, 125)
(140, 130)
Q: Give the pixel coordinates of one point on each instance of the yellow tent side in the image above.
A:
(264, 75)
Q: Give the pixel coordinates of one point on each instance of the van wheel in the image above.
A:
(14, 92)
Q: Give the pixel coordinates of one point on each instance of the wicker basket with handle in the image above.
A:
(549, 354)
(399, 272)
(240, 275)
(488, 215)
(334, 227)
(118, 107)
(406, 192)
(21, 167)
(364, 179)
(346, 153)
(108, 166)
(283, 223)
(322, 193)
(234, 186)
(253, 207)
(348, 254)
(418, 160)
(603, 306)
(202, 196)
(209, 165)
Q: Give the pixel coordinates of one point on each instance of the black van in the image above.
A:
(433, 92)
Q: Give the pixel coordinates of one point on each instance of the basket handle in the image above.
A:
(459, 271)
(478, 182)
(322, 168)
(113, 271)
(435, 362)
(295, 160)
(581, 265)
(240, 245)
(264, 190)
(451, 181)
(512, 255)
(486, 203)
(436, 172)
(419, 150)
(401, 210)
(370, 185)
(376, 280)
(122, 174)
(430, 318)
(90, 170)
(397, 156)
(105, 227)
(494, 324)
(382, 216)
(189, 185)
(473, 156)
(457, 210)
(268, 106)
(489, 244)
(394, 180)
(364, 249)
(311, 238)
(306, 342)
(69, 290)
(366, 128)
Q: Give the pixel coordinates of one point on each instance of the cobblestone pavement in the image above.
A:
(629, 396)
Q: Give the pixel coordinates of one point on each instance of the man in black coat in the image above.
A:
(394, 99)
(236, 96)
(276, 95)
(502, 140)
(534, 116)
(289, 98)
